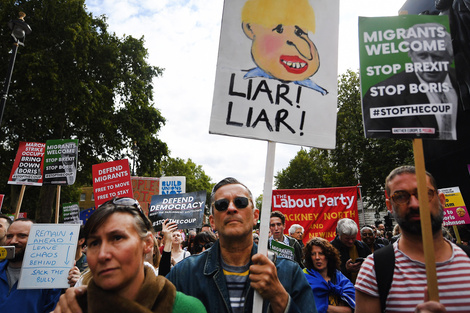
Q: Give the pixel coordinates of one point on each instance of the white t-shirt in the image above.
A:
(409, 280)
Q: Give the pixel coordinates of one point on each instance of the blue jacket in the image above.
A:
(340, 287)
(25, 300)
(201, 276)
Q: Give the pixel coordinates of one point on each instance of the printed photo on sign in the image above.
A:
(185, 209)
(71, 213)
(60, 163)
(276, 75)
(455, 211)
(407, 77)
(28, 166)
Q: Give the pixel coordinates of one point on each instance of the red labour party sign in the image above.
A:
(316, 210)
(111, 179)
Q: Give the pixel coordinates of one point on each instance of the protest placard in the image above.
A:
(144, 188)
(28, 166)
(1, 202)
(276, 75)
(185, 209)
(317, 210)
(60, 162)
(455, 211)
(407, 77)
(170, 185)
(71, 213)
(282, 249)
(49, 256)
(111, 179)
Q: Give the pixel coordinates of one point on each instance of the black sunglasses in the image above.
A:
(206, 246)
(403, 196)
(130, 204)
(223, 204)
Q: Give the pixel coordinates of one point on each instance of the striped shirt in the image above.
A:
(236, 278)
(409, 280)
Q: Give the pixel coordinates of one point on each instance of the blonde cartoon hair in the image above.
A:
(273, 12)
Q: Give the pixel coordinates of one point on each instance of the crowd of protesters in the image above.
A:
(123, 265)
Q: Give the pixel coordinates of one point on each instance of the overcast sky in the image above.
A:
(182, 36)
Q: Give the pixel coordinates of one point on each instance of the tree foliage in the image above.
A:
(196, 178)
(74, 79)
(355, 158)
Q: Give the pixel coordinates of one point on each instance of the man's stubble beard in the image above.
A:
(414, 227)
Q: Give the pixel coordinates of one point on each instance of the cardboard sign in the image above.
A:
(28, 165)
(111, 179)
(407, 77)
(317, 210)
(276, 75)
(71, 213)
(61, 160)
(455, 211)
(185, 209)
(144, 188)
(49, 256)
(170, 185)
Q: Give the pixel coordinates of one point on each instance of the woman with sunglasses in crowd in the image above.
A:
(333, 292)
(118, 236)
(203, 241)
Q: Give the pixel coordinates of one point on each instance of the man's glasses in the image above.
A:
(223, 204)
(403, 197)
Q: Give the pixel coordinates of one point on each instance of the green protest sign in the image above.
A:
(282, 249)
(60, 162)
(407, 77)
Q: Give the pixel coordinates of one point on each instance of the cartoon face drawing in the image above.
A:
(283, 51)
(281, 46)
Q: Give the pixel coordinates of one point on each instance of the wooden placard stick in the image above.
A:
(265, 215)
(57, 205)
(457, 235)
(425, 216)
(20, 200)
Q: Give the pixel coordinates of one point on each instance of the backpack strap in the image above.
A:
(384, 263)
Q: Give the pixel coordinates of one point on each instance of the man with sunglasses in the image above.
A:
(406, 292)
(225, 276)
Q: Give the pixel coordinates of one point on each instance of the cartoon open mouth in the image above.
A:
(293, 64)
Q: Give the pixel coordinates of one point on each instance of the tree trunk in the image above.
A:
(46, 204)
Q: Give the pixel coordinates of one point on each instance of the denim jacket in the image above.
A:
(201, 276)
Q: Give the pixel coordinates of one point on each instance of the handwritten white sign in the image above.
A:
(49, 256)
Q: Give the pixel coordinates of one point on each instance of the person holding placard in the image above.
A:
(17, 300)
(406, 291)
(292, 250)
(213, 275)
(225, 276)
(118, 236)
